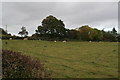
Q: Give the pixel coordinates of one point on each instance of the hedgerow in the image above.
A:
(17, 65)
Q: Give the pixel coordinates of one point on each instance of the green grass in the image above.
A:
(72, 59)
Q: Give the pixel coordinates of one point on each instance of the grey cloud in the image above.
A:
(74, 14)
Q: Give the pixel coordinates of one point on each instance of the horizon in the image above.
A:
(100, 15)
(66, 28)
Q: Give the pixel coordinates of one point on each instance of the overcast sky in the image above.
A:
(101, 15)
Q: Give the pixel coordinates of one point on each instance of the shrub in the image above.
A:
(6, 36)
(17, 37)
(16, 65)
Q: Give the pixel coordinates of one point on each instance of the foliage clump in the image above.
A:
(24, 32)
(52, 28)
(16, 65)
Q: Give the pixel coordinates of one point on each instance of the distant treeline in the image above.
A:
(54, 29)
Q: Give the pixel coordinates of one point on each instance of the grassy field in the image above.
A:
(71, 59)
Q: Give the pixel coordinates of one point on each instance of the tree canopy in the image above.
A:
(23, 32)
(52, 27)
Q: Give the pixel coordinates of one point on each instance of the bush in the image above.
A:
(6, 36)
(16, 65)
(34, 37)
(17, 37)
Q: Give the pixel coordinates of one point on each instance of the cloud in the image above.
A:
(59, 0)
(74, 14)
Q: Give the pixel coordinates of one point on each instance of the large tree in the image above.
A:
(86, 33)
(52, 27)
(23, 32)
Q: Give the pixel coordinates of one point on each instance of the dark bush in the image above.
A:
(16, 65)
(6, 37)
(17, 37)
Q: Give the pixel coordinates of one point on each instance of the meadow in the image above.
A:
(71, 59)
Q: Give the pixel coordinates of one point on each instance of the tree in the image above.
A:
(114, 34)
(23, 33)
(52, 28)
(86, 33)
(3, 32)
(74, 34)
(114, 31)
(118, 37)
(97, 35)
(107, 36)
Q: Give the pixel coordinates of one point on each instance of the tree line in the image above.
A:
(54, 29)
